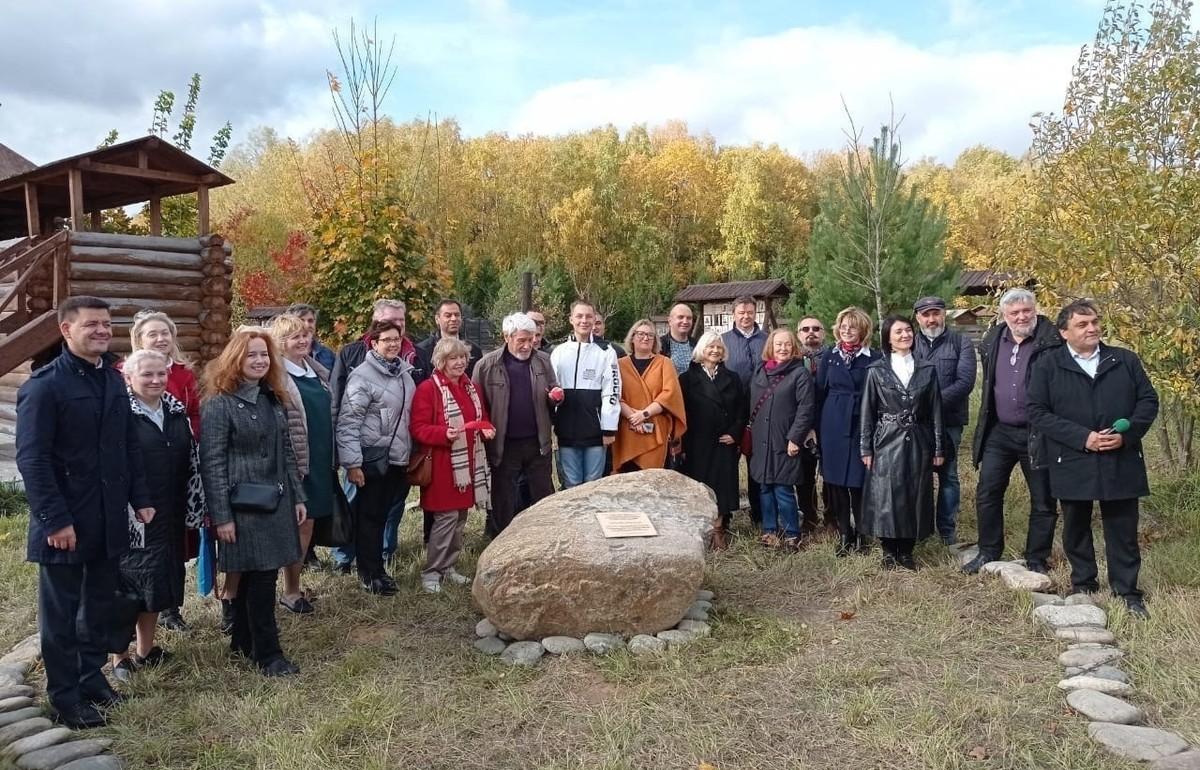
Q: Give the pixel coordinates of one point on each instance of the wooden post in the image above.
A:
(202, 210)
(155, 215)
(526, 291)
(32, 215)
(97, 221)
(75, 186)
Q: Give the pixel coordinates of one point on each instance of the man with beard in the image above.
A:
(1004, 436)
(82, 467)
(449, 318)
(677, 344)
(954, 357)
(520, 390)
(811, 333)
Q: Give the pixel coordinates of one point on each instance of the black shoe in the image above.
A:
(380, 586)
(104, 697)
(889, 562)
(1137, 608)
(280, 667)
(81, 716)
(227, 616)
(301, 606)
(974, 565)
(1039, 567)
(155, 657)
(172, 620)
(123, 671)
(907, 561)
(345, 568)
(846, 545)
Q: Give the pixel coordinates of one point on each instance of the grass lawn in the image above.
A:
(814, 662)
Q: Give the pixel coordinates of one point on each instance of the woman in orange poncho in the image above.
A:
(652, 412)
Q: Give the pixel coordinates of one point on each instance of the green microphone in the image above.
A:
(1120, 426)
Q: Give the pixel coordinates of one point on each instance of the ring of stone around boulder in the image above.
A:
(1141, 743)
(602, 644)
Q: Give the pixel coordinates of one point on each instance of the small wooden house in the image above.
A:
(972, 321)
(715, 302)
(986, 283)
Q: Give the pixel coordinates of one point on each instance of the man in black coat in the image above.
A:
(448, 318)
(1094, 403)
(1004, 436)
(82, 467)
(954, 358)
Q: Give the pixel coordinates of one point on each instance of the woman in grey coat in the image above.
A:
(245, 452)
(373, 445)
(782, 406)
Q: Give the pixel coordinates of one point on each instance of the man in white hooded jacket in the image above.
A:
(586, 420)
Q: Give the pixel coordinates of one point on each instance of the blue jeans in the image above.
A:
(344, 556)
(779, 502)
(580, 465)
(948, 491)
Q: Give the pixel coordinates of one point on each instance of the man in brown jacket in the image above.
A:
(520, 389)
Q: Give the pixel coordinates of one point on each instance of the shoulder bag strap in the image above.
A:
(763, 398)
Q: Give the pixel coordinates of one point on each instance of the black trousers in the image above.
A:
(753, 492)
(846, 506)
(372, 503)
(807, 497)
(1120, 521)
(255, 633)
(74, 601)
(522, 459)
(1005, 447)
(898, 546)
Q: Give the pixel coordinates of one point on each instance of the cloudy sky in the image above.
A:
(961, 72)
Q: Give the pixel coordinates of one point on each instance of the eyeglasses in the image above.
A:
(643, 335)
(387, 340)
(1012, 361)
(811, 329)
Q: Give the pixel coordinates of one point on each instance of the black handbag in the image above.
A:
(375, 459)
(115, 631)
(253, 497)
(337, 530)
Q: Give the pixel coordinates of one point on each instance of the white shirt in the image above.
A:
(156, 415)
(297, 371)
(1088, 364)
(903, 366)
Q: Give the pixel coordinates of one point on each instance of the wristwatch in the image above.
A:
(646, 414)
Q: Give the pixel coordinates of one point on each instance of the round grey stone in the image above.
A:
(16, 669)
(1089, 658)
(490, 645)
(1041, 600)
(1141, 743)
(1099, 684)
(40, 740)
(28, 650)
(965, 554)
(562, 645)
(21, 729)
(1062, 617)
(1082, 600)
(1188, 760)
(1085, 634)
(696, 613)
(20, 715)
(676, 638)
(644, 644)
(56, 756)
(996, 567)
(703, 604)
(505, 637)
(485, 628)
(602, 644)
(1099, 707)
(98, 762)
(1088, 646)
(696, 627)
(523, 654)
(16, 702)
(1103, 672)
(705, 596)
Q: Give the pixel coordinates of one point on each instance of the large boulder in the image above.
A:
(552, 572)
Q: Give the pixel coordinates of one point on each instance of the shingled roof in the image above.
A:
(715, 292)
(12, 164)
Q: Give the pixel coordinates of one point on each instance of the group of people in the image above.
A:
(126, 461)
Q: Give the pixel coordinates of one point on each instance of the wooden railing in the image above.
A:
(29, 330)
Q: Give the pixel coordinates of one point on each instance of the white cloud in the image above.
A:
(788, 89)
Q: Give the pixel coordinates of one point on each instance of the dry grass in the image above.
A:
(815, 662)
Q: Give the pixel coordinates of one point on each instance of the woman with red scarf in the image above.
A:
(449, 420)
(841, 374)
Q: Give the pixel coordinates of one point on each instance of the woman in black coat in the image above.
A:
(781, 415)
(901, 444)
(153, 568)
(715, 407)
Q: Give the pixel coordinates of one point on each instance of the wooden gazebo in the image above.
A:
(54, 213)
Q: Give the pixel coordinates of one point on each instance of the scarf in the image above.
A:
(197, 510)
(849, 351)
(468, 470)
(393, 367)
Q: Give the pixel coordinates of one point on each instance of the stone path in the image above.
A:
(28, 739)
(693, 626)
(1093, 682)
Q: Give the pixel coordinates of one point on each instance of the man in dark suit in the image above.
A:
(1094, 403)
(449, 319)
(82, 469)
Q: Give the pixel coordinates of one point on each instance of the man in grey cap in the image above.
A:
(954, 357)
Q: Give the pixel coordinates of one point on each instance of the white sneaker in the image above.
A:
(457, 578)
(431, 585)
